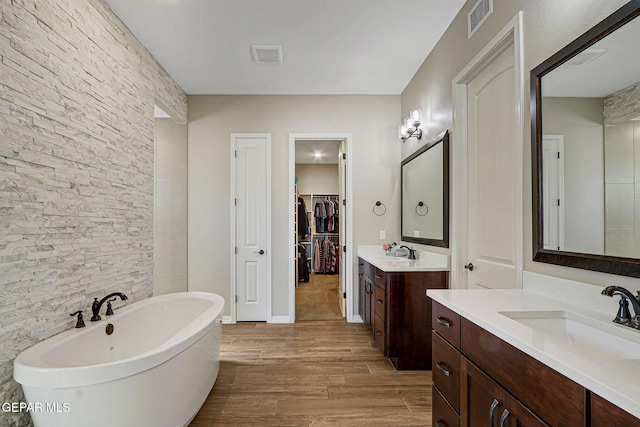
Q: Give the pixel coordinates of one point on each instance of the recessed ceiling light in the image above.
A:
(317, 155)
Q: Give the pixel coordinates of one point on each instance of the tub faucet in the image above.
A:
(623, 316)
(95, 307)
(412, 252)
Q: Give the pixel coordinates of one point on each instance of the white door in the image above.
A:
(251, 224)
(342, 224)
(553, 191)
(493, 169)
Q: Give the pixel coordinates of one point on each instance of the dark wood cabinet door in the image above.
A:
(361, 294)
(557, 399)
(516, 414)
(606, 414)
(484, 403)
(481, 399)
(368, 299)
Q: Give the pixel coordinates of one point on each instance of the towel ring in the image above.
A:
(422, 204)
(377, 205)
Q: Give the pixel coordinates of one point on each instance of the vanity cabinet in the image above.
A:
(497, 381)
(480, 380)
(394, 308)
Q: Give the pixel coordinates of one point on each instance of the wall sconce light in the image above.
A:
(411, 126)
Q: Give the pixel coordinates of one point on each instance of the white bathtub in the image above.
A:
(156, 369)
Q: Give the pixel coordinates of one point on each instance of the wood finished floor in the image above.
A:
(319, 298)
(311, 373)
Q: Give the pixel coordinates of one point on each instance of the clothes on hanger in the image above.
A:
(326, 215)
(304, 228)
(325, 256)
(303, 264)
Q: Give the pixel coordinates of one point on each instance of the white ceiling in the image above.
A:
(316, 151)
(616, 68)
(328, 46)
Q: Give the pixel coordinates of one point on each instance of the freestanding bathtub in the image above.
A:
(155, 369)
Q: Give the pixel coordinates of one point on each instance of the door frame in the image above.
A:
(348, 217)
(232, 216)
(511, 33)
(560, 141)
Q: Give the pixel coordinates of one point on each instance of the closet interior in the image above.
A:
(317, 215)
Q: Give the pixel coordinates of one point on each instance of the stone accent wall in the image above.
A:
(77, 92)
(622, 105)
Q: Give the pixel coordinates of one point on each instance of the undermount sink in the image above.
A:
(587, 337)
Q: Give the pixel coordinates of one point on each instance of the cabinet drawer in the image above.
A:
(379, 277)
(446, 370)
(378, 333)
(379, 302)
(446, 323)
(443, 414)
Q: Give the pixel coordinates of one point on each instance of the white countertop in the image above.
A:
(426, 261)
(617, 381)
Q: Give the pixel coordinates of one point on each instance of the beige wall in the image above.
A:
(581, 122)
(170, 260)
(318, 179)
(76, 169)
(548, 26)
(371, 120)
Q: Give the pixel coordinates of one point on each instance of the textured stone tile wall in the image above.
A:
(622, 105)
(76, 168)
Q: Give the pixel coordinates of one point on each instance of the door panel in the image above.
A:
(251, 228)
(493, 168)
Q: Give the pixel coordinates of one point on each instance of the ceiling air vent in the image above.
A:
(266, 54)
(478, 14)
(584, 57)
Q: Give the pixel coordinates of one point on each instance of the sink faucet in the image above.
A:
(412, 252)
(623, 316)
(95, 307)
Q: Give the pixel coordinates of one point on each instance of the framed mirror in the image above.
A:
(585, 121)
(425, 194)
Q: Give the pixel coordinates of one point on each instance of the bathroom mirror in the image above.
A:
(425, 194)
(585, 120)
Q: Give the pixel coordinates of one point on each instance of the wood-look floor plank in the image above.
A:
(312, 373)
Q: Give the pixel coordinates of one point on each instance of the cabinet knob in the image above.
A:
(440, 423)
(378, 333)
(378, 276)
(378, 301)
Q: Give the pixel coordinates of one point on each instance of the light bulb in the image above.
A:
(409, 124)
(402, 131)
(416, 116)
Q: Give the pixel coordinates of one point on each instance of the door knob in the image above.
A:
(261, 252)
(469, 267)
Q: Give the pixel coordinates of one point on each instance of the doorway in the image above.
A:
(318, 274)
(320, 285)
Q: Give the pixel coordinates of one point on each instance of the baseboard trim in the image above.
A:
(280, 319)
(227, 320)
